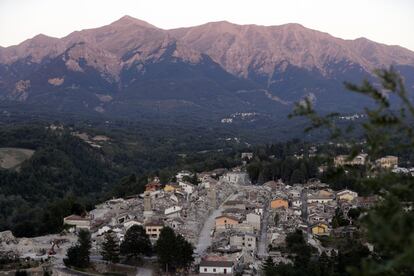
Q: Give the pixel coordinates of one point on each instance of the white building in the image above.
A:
(216, 267)
(254, 220)
(346, 194)
(358, 160)
(173, 211)
(153, 230)
(78, 222)
(296, 202)
(247, 155)
(244, 241)
(387, 162)
(187, 187)
(180, 175)
(131, 223)
(236, 178)
(321, 196)
(250, 242)
(259, 210)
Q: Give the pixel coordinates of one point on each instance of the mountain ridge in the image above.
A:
(131, 21)
(131, 65)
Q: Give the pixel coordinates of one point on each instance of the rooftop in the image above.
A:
(76, 217)
(216, 263)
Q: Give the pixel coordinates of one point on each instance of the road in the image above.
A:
(262, 247)
(204, 239)
(304, 199)
(141, 271)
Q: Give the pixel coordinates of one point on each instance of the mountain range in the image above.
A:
(131, 68)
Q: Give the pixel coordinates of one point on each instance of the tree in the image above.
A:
(354, 213)
(84, 239)
(110, 248)
(297, 176)
(173, 250)
(387, 128)
(339, 219)
(297, 246)
(193, 179)
(78, 255)
(136, 242)
(74, 258)
(166, 248)
(268, 267)
(184, 255)
(253, 169)
(276, 219)
(78, 209)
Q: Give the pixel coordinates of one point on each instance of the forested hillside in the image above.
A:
(68, 174)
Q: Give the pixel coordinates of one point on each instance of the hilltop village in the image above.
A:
(233, 225)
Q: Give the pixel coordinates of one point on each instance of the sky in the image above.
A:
(386, 21)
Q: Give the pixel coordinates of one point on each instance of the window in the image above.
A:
(205, 269)
(214, 270)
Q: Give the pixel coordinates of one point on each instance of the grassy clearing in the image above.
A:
(11, 158)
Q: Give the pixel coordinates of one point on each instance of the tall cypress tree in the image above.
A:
(110, 248)
(136, 242)
(268, 267)
(166, 248)
(185, 250)
(78, 255)
(173, 250)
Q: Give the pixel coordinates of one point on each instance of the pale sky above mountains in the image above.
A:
(385, 21)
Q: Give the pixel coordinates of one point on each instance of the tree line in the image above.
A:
(173, 252)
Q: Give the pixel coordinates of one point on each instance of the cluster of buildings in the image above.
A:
(235, 235)
(254, 222)
(286, 213)
(386, 162)
(248, 222)
(182, 206)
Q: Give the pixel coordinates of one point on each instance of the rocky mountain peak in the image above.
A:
(129, 20)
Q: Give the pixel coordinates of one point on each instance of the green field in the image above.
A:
(11, 158)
